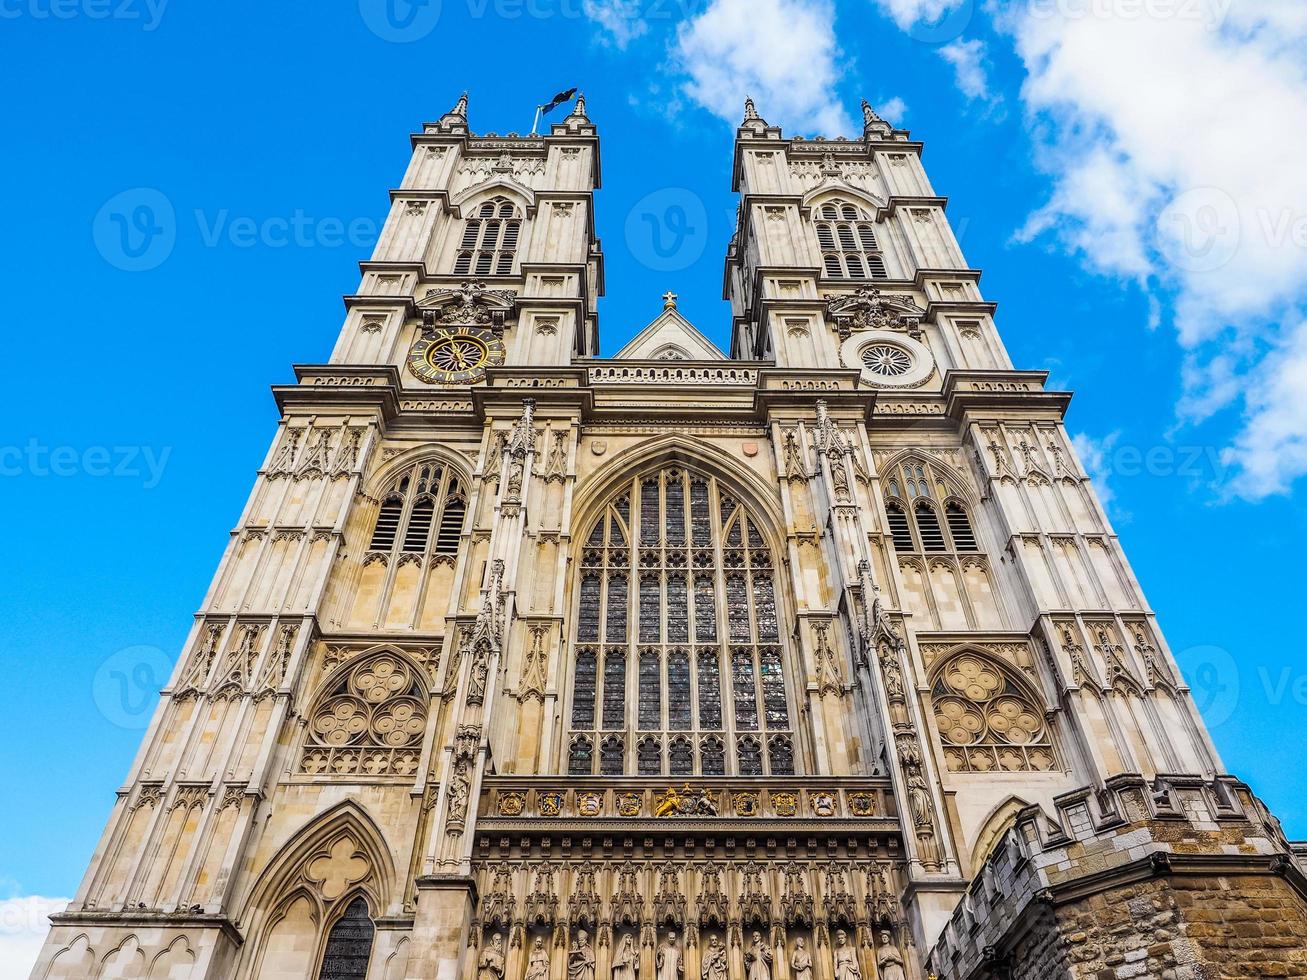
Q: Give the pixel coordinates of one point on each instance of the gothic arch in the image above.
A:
(472, 197)
(1000, 820)
(829, 192)
(593, 496)
(383, 476)
(958, 485)
(287, 873)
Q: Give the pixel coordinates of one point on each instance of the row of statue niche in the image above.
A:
(758, 960)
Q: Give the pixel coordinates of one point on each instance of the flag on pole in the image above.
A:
(558, 100)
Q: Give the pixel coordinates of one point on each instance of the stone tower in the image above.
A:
(820, 661)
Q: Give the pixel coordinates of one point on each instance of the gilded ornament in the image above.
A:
(589, 804)
(862, 804)
(784, 804)
(745, 804)
(629, 805)
(511, 804)
(551, 804)
(823, 804)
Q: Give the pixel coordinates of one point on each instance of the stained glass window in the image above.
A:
(693, 550)
(349, 944)
(583, 698)
(651, 705)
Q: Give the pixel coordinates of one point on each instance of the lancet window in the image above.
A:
(924, 512)
(489, 240)
(421, 513)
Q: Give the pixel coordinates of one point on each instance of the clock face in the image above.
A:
(455, 355)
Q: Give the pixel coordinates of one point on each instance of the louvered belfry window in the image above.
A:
(679, 665)
(489, 242)
(421, 513)
(849, 249)
(925, 513)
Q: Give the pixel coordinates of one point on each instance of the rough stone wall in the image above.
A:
(1208, 927)
(1178, 883)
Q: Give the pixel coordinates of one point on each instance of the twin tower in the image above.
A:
(817, 660)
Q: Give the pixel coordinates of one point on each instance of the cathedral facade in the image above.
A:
(816, 660)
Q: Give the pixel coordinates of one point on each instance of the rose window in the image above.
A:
(370, 722)
(887, 360)
(987, 722)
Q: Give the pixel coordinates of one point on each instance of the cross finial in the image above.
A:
(669, 300)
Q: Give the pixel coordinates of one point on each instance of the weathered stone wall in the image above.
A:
(1174, 882)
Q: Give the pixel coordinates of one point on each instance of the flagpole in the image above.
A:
(536, 124)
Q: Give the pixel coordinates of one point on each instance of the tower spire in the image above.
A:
(751, 112)
(460, 107)
(872, 124)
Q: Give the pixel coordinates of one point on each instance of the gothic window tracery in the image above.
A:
(847, 236)
(369, 722)
(988, 722)
(679, 664)
(925, 513)
(490, 238)
(421, 513)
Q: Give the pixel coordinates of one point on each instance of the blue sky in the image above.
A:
(1131, 186)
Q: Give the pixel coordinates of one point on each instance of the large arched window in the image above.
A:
(925, 513)
(849, 249)
(422, 512)
(678, 666)
(489, 240)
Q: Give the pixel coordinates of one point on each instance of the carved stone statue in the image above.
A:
(846, 958)
(801, 961)
(758, 959)
(715, 966)
(668, 960)
(626, 961)
(581, 960)
(889, 961)
(537, 965)
(491, 964)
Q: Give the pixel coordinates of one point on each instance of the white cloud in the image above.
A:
(1173, 134)
(24, 923)
(1096, 457)
(968, 61)
(892, 110)
(623, 20)
(1274, 439)
(782, 52)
